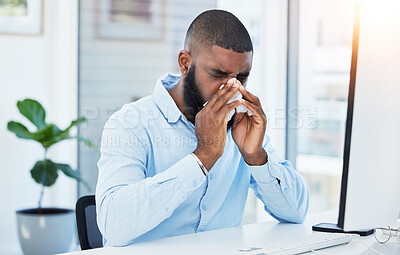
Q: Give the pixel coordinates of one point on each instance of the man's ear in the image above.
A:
(184, 60)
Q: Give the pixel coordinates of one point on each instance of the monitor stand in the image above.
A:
(333, 228)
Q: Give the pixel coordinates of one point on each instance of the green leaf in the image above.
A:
(45, 172)
(65, 132)
(75, 123)
(68, 171)
(55, 139)
(20, 130)
(47, 134)
(50, 135)
(87, 142)
(33, 111)
(64, 135)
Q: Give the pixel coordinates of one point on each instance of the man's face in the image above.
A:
(209, 70)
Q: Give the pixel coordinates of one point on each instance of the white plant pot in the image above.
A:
(50, 232)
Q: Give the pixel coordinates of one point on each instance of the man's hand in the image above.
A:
(211, 123)
(248, 131)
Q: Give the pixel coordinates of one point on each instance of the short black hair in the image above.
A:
(218, 28)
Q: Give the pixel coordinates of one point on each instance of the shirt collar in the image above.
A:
(163, 99)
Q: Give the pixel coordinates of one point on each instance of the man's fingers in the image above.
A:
(224, 99)
(224, 94)
(222, 90)
(229, 107)
(257, 112)
(250, 97)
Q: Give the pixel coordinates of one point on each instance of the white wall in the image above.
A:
(42, 67)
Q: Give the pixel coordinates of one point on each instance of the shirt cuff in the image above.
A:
(189, 174)
(266, 173)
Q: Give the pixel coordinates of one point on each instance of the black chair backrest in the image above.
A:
(88, 232)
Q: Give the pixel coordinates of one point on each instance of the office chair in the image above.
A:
(88, 232)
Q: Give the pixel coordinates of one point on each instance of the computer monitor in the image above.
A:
(370, 190)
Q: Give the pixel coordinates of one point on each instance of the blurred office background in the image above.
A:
(93, 56)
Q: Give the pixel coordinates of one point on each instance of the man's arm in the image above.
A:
(283, 191)
(128, 203)
(280, 187)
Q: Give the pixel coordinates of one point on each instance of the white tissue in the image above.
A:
(240, 108)
(237, 96)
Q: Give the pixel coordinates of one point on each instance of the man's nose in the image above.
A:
(231, 77)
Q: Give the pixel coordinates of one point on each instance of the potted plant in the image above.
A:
(45, 230)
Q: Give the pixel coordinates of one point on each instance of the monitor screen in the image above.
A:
(371, 167)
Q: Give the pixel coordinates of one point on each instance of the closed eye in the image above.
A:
(242, 77)
(218, 73)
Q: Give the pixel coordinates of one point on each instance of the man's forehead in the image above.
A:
(222, 60)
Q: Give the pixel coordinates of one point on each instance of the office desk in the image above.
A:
(211, 242)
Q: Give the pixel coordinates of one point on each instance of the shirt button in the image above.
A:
(195, 183)
(286, 190)
(204, 207)
(211, 176)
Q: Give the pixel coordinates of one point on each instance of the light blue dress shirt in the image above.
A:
(150, 186)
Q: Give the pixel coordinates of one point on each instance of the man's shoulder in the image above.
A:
(133, 114)
(137, 107)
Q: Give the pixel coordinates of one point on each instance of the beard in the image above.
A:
(192, 97)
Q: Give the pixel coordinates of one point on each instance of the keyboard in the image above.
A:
(297, 245)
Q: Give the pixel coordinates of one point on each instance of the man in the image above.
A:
(171, 164)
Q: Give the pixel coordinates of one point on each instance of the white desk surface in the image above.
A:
(245, 236)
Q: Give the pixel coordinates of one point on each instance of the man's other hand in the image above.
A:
(211, 124)
(248, 131)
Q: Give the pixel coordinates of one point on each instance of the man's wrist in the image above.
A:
(257, 159)
(202, 167)
(207, 160)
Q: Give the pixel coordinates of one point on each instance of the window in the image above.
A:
(324, 56)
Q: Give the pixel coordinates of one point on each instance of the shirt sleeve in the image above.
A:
(280, 187)
(128, 203)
